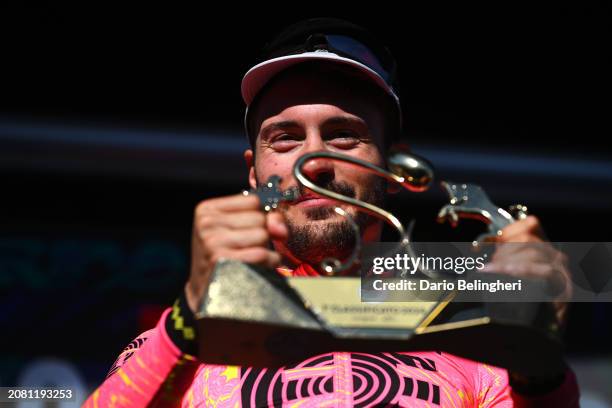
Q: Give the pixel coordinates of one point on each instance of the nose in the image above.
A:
(319, 171)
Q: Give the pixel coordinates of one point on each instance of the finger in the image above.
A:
(237, 202)
(236, 220)
(507, 251)
(512, 252)
(525, 230)
(558, 282)
(520, 269)
(244, 238)
(511, 248)
(277, 226)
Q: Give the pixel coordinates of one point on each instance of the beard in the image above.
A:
(316, 239)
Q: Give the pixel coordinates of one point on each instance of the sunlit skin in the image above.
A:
(303, 114)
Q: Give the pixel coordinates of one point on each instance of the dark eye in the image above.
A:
(285, 142)
(344, 138)
(285, 136)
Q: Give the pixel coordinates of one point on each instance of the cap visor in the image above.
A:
(257, 77)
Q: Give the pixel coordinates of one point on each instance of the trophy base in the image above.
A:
(257, 318)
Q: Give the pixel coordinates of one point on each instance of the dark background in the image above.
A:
(116, 120)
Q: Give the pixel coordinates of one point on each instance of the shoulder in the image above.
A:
(130, 349)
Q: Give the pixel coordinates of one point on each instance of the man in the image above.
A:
(323, 85)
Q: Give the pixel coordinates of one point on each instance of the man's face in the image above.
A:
(300, 114)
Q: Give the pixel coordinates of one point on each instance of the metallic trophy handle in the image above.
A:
(408, 170)
(470, 201)
(414, 174)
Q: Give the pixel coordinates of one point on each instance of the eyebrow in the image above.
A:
(344, 120)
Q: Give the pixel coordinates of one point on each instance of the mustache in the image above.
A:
(340, 187)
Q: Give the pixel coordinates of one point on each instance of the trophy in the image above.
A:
(256, 317)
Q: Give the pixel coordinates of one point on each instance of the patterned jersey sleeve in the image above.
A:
(151, 371)
(129, 351)
(493, 389)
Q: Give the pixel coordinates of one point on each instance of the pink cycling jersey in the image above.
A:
(152, 371)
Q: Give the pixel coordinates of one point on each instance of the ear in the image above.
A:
(248, 158)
